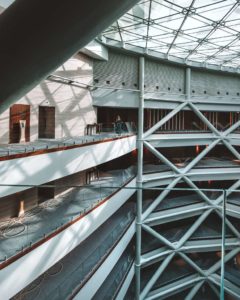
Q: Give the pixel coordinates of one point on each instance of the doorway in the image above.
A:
(19, 112)
(46, 122)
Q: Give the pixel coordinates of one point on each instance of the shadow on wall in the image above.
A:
(73, 105)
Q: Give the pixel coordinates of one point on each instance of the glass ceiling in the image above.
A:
(203, 31)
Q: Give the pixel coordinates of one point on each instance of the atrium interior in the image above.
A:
(120, 150)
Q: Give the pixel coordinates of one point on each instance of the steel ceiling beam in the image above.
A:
(36, 37)
(181, 26)
(175, 287)
(156, 276)
(194, 290)
(229, 287)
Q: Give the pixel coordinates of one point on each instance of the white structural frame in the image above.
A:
(144, 219)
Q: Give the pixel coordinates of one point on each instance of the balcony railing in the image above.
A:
(118, 128)
(49, 144)
(194, 233)
(17, 235)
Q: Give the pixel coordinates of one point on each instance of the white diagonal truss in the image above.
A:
(148, 218)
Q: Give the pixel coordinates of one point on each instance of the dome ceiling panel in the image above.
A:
(205, 31)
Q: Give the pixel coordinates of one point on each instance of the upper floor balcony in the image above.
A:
(35, 163)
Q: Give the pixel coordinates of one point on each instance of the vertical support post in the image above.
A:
(223, 245)
(139, 179)
(188, 83)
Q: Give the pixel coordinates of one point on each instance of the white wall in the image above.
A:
(40, 169)
(23, 271)
(73, 104)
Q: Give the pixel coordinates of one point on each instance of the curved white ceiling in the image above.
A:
(203, 31)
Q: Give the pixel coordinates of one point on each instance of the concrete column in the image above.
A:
(188, 83)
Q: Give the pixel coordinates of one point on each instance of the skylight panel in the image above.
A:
(200, 30)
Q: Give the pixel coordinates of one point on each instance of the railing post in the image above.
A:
(139, 178)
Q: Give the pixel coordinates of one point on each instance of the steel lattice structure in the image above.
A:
(202, 33)
(147, 219)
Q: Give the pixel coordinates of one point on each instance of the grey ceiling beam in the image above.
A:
(36, 37)
(172, 58)
(181, 26)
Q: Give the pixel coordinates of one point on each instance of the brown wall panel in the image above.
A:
(46, 126)
(71, 180)
(19, 112)
(109, 115)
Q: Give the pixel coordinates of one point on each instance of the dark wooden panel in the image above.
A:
(122, 162)
(46, 125)
(77, 179)
(45, 193)
(59, 186)
(109, 115)
(19, 112)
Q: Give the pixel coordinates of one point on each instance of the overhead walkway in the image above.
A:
(175, 208)
(9, 151)
(205, 170)
(63, 158)
(185, 139)
(20, 234)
